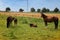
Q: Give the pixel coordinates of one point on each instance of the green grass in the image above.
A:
(24, 32)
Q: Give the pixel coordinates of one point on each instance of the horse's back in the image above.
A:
(55, 18)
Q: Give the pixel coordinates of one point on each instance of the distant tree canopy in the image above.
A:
(8, 9)
(32, 10)
(21, 10)
(56, 10)
(38, 10)
(45, 10)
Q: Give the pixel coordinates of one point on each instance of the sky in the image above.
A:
(15, 5)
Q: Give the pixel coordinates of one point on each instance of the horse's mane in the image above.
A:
(44, 15)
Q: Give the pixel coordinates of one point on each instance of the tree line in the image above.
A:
(33, 10)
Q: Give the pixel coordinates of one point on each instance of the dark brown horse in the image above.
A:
(10, 19)
(50, 19)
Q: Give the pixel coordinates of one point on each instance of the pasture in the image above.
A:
(22, 31)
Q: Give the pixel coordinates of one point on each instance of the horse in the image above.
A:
(33, 25)
(10, 19)
(50, 19)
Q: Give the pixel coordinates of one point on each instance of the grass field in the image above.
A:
(24, 32)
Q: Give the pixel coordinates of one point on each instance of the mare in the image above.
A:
(50, 19)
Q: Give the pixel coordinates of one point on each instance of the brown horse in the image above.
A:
(50, 19)
(10, 19)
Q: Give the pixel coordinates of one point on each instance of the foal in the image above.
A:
(50, 19)
(33, 25)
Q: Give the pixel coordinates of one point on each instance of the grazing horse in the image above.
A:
(10, 19)
(50, 19)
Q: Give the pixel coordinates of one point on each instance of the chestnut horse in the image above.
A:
(10, 19)
(50, 19)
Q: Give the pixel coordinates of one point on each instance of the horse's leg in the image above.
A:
(56, 24)
(8, 24)
(45, 23)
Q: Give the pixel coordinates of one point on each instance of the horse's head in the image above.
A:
(43, 15)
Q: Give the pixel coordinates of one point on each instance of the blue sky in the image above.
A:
(15, 5)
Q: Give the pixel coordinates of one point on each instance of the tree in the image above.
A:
(38, 10)
(32, 10)
(47, 10)
(8, 9)
(44, 10)
(21, 10)
(56, 10)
